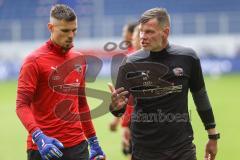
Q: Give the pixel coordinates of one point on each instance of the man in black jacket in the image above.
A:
(159, 77)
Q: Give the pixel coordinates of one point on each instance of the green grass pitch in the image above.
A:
(224, 96)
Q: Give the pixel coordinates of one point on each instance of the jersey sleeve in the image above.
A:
(196, 81)
(200, 97)
(126, 119)
(121, 76)
(120, 82)
(84, 111)
(27, 82)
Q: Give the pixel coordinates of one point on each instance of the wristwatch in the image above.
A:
(214, 136)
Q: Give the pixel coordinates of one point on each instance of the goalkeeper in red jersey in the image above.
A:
(51, 101)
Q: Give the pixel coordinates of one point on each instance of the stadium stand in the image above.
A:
(192, 17)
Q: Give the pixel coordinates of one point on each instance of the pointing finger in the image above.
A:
(110, 86)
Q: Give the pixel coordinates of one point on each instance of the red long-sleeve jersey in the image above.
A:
(126, 118)
(51, 95)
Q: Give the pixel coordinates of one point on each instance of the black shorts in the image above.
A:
(78, 152)
(181, 152)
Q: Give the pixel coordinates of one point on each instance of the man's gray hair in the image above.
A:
(160, 14)
(62, 12)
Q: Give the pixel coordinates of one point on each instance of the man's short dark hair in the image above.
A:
(131, 26)
(62, 12)
(160, 14)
